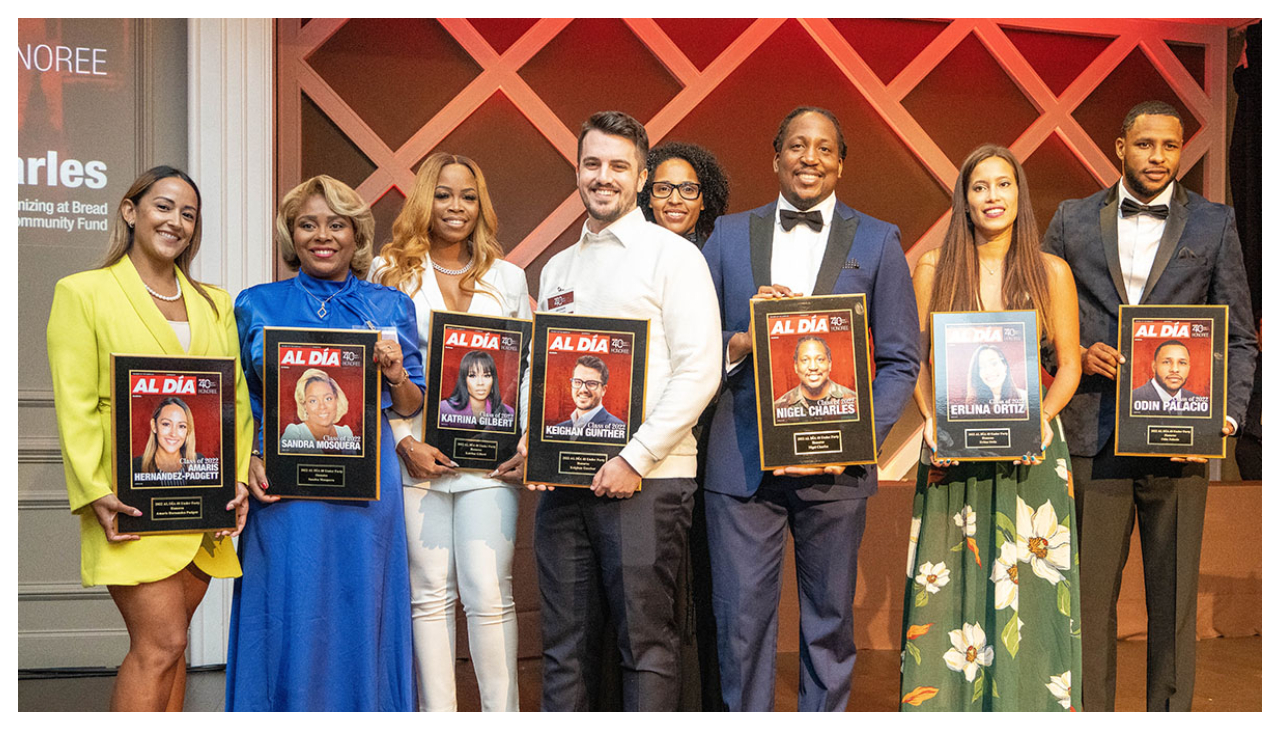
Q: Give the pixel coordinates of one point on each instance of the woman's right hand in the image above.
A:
(105, 509)
(258, 481)
(931, 441)
(423, 461)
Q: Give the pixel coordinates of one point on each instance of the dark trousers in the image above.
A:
(600, 558)
(1168, 500)
(747, 538)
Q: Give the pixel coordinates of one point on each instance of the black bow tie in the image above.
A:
(811, 218)
(1130, 207)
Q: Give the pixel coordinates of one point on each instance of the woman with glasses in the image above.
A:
(687, 190)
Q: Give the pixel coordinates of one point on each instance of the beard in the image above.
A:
(1136, 184)
(607, 213)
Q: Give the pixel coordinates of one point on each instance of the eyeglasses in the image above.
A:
(688, 190)
(588, 384)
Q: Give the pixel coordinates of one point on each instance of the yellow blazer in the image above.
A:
(104, 311)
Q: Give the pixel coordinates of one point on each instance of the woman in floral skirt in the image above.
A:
(990, 620)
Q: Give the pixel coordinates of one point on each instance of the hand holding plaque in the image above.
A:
(813, 382)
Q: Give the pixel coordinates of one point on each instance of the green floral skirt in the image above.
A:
(990, 613)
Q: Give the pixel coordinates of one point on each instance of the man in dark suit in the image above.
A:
(587, 387)
(807, 242)
(1170, 366)
(1146, 240)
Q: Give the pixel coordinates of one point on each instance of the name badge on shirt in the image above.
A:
(562, 303)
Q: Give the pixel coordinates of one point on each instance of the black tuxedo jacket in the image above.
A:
(1198, 262)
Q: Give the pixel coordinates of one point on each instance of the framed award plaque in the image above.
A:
(174, 429)
(586, 394)
(986, 385)
(813, 381)
(1171, 390)
(321, 403)
(474, 368)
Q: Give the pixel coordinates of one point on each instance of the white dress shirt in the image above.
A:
(1139, 237)
(797, 254)
(634, 269)
(502, 292)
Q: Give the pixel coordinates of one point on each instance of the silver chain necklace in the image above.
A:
(162, 297)
(322, 311)
(453, 272)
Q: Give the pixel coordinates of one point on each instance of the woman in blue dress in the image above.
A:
(320, 620)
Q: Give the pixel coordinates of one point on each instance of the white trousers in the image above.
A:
(461, 546)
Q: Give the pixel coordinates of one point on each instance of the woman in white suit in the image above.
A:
(142, 300)
(461, 525)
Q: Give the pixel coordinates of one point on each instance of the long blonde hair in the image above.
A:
(410, 245)
(342, 200)
(120, 242)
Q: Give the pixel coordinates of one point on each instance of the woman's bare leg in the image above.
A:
(157, 617)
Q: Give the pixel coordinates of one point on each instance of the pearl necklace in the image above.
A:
(453, 272)
(162, 297)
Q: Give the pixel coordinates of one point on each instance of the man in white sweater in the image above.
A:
(612, 549)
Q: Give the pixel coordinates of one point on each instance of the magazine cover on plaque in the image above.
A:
(813, 381)
(986, 385)
(1171, 394)
(472, 412)
(174, 427)
(586, 394)
(321, 403)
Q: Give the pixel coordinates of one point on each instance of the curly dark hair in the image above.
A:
(715, 184)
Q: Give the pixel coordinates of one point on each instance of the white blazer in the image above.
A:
(510, 298)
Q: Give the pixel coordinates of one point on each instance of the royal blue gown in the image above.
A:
(321, 620)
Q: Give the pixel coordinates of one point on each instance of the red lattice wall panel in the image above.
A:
(367, 99)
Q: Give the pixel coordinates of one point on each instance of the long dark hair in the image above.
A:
(711, 177)
(978, 389)
(461, 397)
(1025, 284)
(121, 241)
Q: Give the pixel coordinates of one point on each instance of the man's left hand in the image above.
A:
(1227, 430)
(616, 479)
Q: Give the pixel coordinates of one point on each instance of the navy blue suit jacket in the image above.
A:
(863, 255)
(1198, 261)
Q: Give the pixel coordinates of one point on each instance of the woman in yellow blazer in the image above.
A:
(142, 301)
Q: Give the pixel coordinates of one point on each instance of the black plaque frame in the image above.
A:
(479, 446)
(818, 437)
(182, 504)
(340, 476)
(974, 431)
(553, 458)
(1193, 432)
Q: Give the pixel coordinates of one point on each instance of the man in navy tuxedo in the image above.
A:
(805, 242)
(1145, 240)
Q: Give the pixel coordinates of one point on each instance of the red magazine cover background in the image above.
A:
(350, 379)
(782, 350)
(507, 362)
(206, 412)
(558, 402)
(1200, 349)
(960, 356)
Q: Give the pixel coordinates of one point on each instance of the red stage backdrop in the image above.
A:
(365, 100)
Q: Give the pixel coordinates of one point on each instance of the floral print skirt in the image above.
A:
(990, 618)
